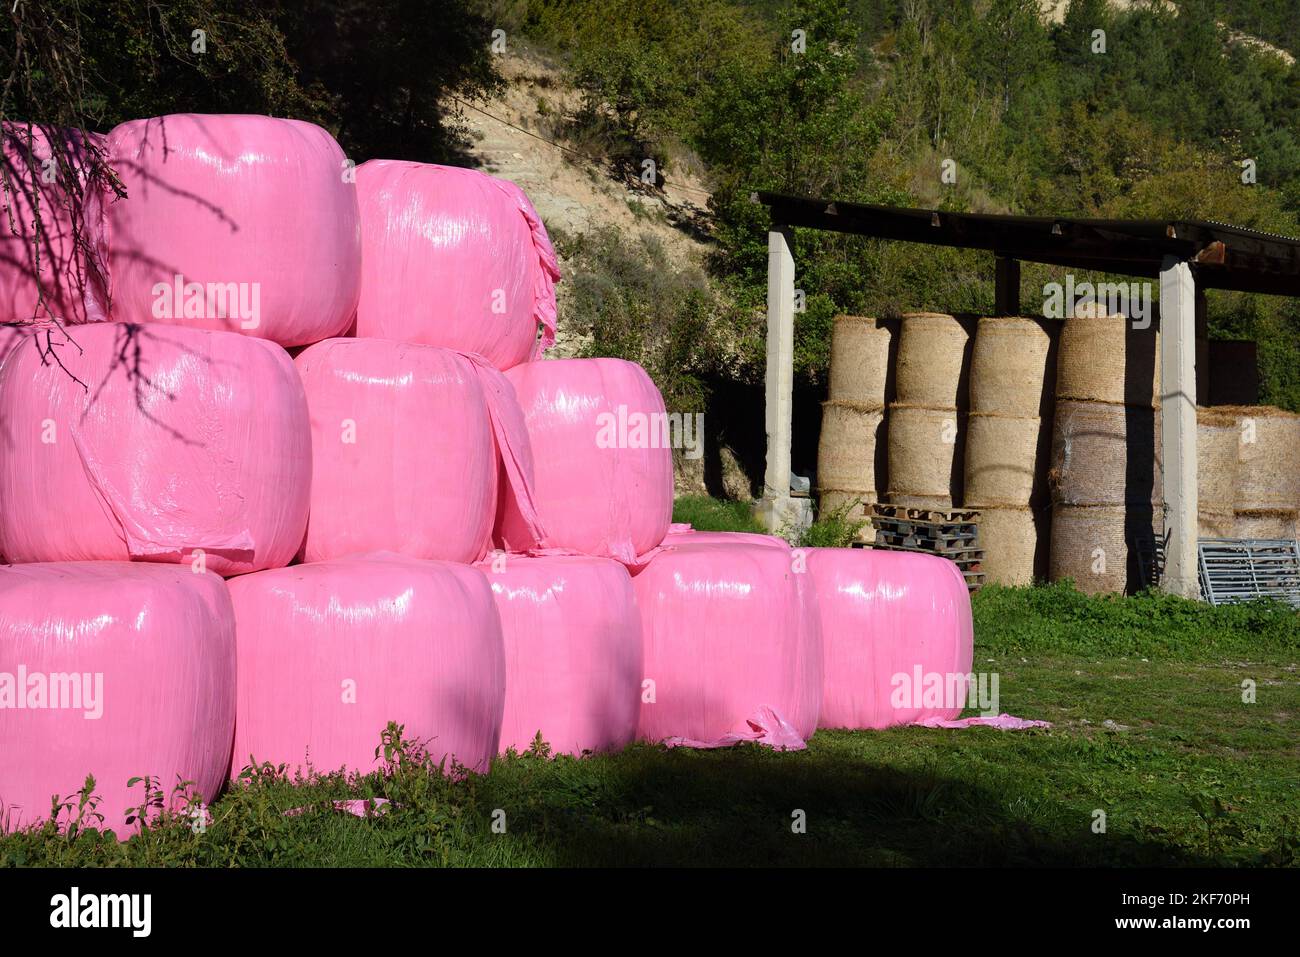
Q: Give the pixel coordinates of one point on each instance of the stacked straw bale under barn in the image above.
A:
(862, 360)
(926, 434)
(1216, 472)
(1011, 387)
(1014, 541)
(1267, 490)
(851, 449)
(1104, 359)
(1102, 548)
(925, 456)
(1105, 478)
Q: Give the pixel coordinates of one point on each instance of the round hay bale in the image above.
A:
(861, 354)
(932, 503)
(859, 509)
(1268, 450)
(1216, 462)
(850, 444)
(1101, 547)
(933, 360)
(1104, 359)
(1014, 541)
(1003, 458)
(925, 456)
(1216, 524)
(1265, 523)
(1104, 454)
(1012, 367)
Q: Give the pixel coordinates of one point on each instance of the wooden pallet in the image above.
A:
(882, 510)
(953, 535)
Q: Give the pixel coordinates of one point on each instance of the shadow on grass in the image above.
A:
(739, 807)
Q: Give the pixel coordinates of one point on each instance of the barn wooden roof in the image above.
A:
(1222, 256)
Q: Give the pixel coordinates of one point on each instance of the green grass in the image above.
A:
(1145, 695)
(1058, 619)
(716, 514)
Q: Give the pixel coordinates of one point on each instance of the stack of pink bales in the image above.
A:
(218, 554)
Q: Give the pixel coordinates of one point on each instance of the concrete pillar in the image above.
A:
(1178, 425)
(776, 509)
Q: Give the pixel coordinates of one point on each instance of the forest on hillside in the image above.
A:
(1137, 109)
(1153, 116)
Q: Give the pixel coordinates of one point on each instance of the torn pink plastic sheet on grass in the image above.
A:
(1003, 722)
(766, 727)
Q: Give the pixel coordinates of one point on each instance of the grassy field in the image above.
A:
(1150, 727)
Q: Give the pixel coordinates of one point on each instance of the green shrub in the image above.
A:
(833, 529)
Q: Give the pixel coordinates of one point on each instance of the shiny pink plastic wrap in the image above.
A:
(404, 459)
(727, 634)
(255, 215)
(186, 440)
(603, 466)
(51, 266)
(329, 653)
(454, 258)
(573, 652)
(896, 633)
(114, 669)
(684, 534)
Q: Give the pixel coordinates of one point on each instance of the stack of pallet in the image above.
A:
(953, 535)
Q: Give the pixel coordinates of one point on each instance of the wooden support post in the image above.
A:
(1178, 426)
(1006, 286)
(1202, 349)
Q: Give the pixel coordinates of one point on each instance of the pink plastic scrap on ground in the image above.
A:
(330, 652)
(116, 670)
(602, 463)
(730, 646)
(573, 652)
(765, 727)
(454, 258)
(43, 276)
(154, 443)
(1003, 722)
(889, 619)
(246, 224)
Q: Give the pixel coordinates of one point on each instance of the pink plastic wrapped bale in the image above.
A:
(454, 258)
(602, 458)
(153, 443)
(45, 271)
(13, 336)
(116, 670)
(897, 637)
(242, 223)
(329, 653)
(403, 447)
(573, 652)
(684, 534)
(726, 636)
